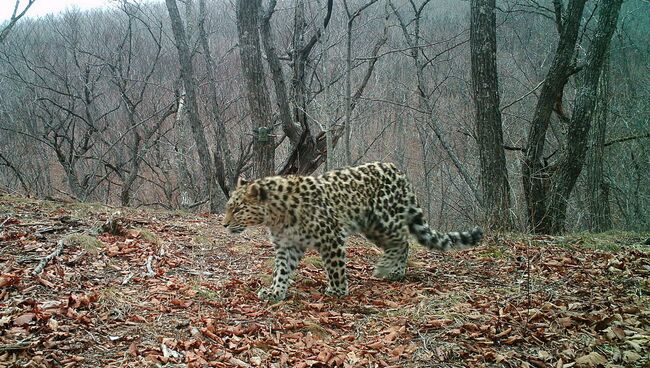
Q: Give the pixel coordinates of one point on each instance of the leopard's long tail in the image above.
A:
(441, 241)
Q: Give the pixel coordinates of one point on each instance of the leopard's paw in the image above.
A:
(389, 274)
(270, 295)
(338, 292)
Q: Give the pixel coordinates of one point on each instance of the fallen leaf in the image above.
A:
(23, 319)
(9, 279)
(592, 359)
(181, 303)
(630, 356)
(133, 349)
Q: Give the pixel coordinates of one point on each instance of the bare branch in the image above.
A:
(15, 16)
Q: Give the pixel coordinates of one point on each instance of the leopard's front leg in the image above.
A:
(286, 261)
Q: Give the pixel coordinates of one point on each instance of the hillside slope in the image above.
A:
(176, 288)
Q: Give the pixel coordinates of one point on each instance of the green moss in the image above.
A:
(315, 261)
(148, 235)
(88, 243)
(495, 252)
(610, 241)
(202, 240)
(205, 293)
(266, 278)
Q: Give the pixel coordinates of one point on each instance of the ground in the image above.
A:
(173, 289)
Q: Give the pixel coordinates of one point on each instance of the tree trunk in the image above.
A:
(290, 128)
(599, 214)
(348, 92)
(573, 160)
(534, 171)
(223, 163)
(186, 189)
(189, 83)
(494, 172)
(256, 92)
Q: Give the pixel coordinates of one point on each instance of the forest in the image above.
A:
(533, 117)
(124, 130)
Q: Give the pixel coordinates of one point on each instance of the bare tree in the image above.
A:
(548, 188)
(308, 141)
(411, 32)
(189, 83)
(489, 134)
(225, 171)
(248, 12)
(598, 195)
(16, 14)
(351, 15)
(535, 171)
(572, 161)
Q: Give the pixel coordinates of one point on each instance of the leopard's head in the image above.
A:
(246, 206)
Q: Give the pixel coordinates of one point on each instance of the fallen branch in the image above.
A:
(21, 345)
(57, 251)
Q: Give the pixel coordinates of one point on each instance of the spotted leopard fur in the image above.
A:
(319, 212)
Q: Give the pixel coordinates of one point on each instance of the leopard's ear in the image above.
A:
(257, 192)
(241, 182)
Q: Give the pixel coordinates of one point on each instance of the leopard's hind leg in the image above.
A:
(392, 264)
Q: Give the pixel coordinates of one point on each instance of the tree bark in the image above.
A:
(223, 163)
(290, 128)
(311, 150)
(494, 172)
(570, 166)
(599, 213)
(189, 83)
(256, 92)
(534, 171)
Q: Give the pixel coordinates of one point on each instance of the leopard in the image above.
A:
(374, 199)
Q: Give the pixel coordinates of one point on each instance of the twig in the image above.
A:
(20, 345)
(524, 96)
(50, 229)
(628, 138)
(57, 251)
(150, 272)
(127, 278)
(5, 221)
(161, 251)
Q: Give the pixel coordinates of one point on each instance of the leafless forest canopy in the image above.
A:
(98, 106)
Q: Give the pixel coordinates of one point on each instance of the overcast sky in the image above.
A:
(43, 7)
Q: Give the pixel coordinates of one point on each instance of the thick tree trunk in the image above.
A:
(573, 160)
(256, 92)
(189, 83)
(494, 172)
(534, 171)
(599, 214)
